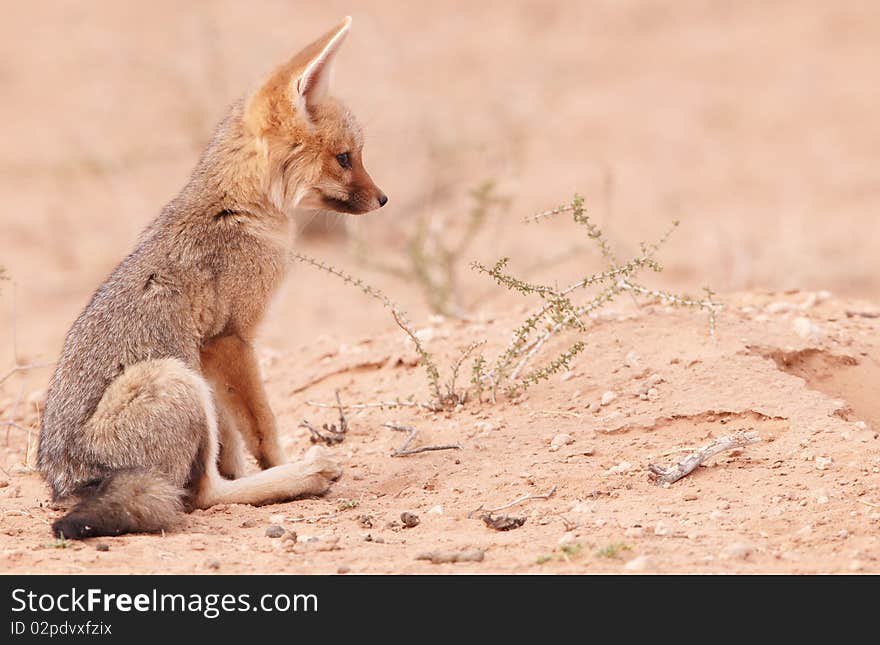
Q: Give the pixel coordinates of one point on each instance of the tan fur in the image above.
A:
(158, 389)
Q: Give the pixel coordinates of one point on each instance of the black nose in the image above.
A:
(383, 199)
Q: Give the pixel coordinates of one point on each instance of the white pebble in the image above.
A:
(780, 307)
(608, 397)
(560, 440)
(436, 510)
(823, 463)
(807, 329)
(662, 528)
(484, 426)
(634, 532)
(736, 551)
(620, 469)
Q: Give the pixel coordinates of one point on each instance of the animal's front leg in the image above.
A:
(229, 362)
(231, 462)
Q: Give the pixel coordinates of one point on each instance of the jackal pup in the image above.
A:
(158, 383)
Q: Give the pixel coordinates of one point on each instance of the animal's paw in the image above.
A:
(320, 461)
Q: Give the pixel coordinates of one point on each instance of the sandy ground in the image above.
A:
(754, 123)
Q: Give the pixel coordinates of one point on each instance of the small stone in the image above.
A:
(822, 499)
(653, 394)
(568, 538)
(620, 469)
(485, 426)
(567, 376)
(274, 531)
(608, 397)
(277, 518)
(365, 521)
(560, 440)
(843, 534)
(807, 329)
(343, 569)
(436, 510)
(641, 563)
(823, 463)
(780, 307)
(690, 497)
(290, 536)
(736, 551)
(3, 483)
(102, 546)
(631, 359)
(634, 532)
(409, 520)
(213, 564)
(809, 302)
(662, 528)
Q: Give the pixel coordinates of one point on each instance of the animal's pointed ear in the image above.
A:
(313, 85)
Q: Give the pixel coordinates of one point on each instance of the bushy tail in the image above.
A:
(127, 501)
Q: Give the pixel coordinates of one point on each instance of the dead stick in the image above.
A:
(343, 423)
(403, 450)
(22, 368)
(690, 463)
(365, 406)
(519, 500)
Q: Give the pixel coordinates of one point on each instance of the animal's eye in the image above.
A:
(344, 160)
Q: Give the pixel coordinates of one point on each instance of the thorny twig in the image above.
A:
(690, 463)
(502, 522)
(397, 403)
(453, 397)
(519, 500)
(22, 368)
(332, 433)
(404, 449)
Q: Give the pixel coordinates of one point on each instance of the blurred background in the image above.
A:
(757, 123)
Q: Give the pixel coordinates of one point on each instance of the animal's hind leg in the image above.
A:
(153, 416)
(310, 476)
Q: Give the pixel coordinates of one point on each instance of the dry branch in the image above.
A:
(502, 522)
(397, 403)
(690, 463)
(519, 500)
(443, 557)
(332, 433)
(404, 449)
(22, 368)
